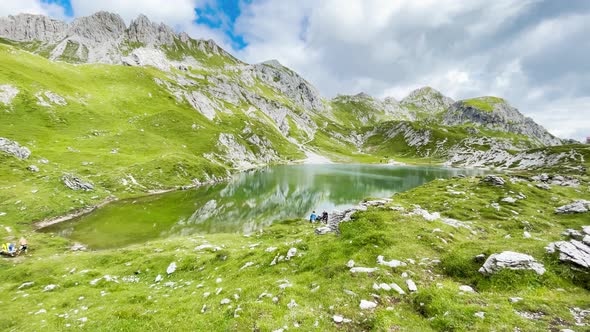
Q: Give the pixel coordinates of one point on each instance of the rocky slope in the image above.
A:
(496, 114)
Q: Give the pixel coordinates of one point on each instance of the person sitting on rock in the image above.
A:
(313, 217)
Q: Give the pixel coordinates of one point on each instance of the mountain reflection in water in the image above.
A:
(247, 202)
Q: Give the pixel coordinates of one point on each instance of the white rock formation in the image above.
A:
(367, 305)
(511, 260)
(7, 93)
(392, 263)
(13, 148)
(580, 206)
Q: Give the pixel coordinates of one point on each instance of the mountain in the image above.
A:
(126, 109)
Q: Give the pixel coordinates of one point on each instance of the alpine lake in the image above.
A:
(246, 203)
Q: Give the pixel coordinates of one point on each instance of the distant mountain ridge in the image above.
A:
(210, 80)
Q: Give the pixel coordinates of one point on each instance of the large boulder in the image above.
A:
(576, 250)
(572, 251)
(580, 206)
(512, 261)
(494, 180)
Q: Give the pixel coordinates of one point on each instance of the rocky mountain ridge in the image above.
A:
(100, 38)
(217, 85)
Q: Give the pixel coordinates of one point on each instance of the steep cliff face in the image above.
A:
(496, 114)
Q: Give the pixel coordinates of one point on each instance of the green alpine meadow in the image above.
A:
(150, 181)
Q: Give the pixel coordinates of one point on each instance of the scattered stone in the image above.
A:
(480, 314)
(393, 263)
(515, 299)
(530, 315)
(41, 311)
(366, 305)
(248, 264)
(76, 183)
(349, 292)
(466, 289)
(33, 168)
(397, 288)
(385, 286)
(580, 206)
(292, 304)
(171, 268)
(291, 253)
(49, 288)
(543, 186)
(13, 148)
(350, 264)
(78, 247)
(26, 284)
(513, 261)
(363, 269)
(526, 235)
(159, 278)
(270, 249)
(225, 301)
(411, 285)
(494, 180)
(580, 316)
(508, 200)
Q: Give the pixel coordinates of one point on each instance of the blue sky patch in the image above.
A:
(222, 14)
(63, 3)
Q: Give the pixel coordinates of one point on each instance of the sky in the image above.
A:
(533, 53)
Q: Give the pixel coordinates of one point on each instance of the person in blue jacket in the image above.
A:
(313, 217)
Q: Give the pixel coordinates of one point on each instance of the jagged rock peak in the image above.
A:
(28, 27)
(273, 63)
(427, 99)
(290, 83)
(98, 27)
(142, 30)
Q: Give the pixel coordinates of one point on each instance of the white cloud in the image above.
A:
(171, 12)
(12, 7)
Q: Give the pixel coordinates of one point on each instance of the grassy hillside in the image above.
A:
(115, 123)
(116, 289)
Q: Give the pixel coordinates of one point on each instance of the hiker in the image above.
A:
(9, 249)
(313, 217)
(324, 217)
(23, 245)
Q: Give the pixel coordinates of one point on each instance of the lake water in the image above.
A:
(246, 203)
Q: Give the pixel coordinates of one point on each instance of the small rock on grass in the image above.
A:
(480, 314)
(466, 289)
(171, 268)
(366, 305)
(411, 285)
(49, 288)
